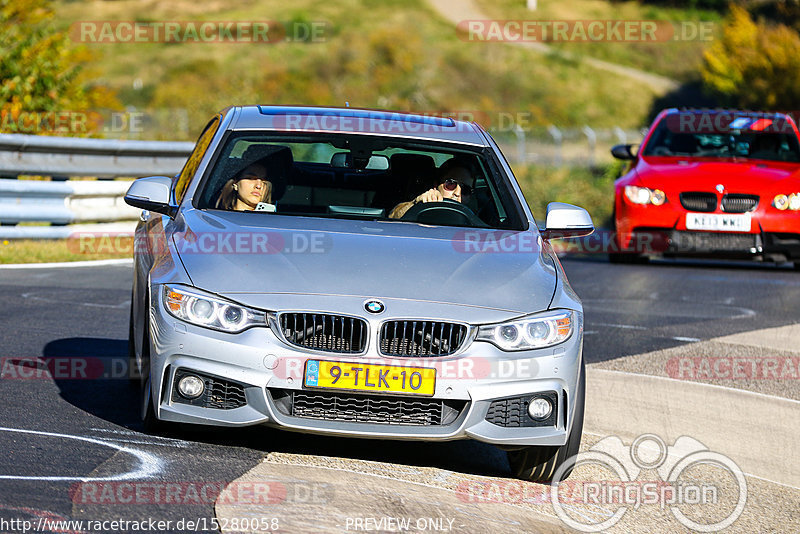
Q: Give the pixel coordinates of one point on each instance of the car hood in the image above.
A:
(704, 175)
(380, 259)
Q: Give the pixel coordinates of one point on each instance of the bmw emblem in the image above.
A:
(374, 306)
(720, 188)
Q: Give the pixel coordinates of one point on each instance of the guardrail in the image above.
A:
(62, 202)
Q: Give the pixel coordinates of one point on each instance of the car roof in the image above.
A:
(359, 121)
(725, 111)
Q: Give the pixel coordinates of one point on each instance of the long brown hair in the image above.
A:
(228, 194)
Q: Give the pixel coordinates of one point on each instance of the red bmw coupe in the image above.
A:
(717, 183)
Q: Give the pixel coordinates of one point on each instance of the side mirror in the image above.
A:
(151, 193)
(623, 152)
(566, 220)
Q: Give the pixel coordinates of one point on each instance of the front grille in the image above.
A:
(421, 338)
(705, 202)
(734, 203)
(330, 333)
(513, 412)
(218, 393)
(688, 242)
(386, 410)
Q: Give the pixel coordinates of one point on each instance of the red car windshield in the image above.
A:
(751, 138)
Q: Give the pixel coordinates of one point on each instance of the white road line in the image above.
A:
(624, 326)
(68, 264)
(744, 392)
(136, 434)
(121, 306)
(149, 464)
(686, 339)
(178, 445)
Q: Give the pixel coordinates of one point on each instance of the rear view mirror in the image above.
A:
(345, 160)
(566, 220)
(623, 152)
(151, 193)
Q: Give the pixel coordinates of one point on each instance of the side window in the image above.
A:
(194, 160)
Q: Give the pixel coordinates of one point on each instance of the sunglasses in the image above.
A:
(450, 185)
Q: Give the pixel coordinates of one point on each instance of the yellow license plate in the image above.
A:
(368, 377)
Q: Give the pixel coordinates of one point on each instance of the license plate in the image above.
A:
(367, 377)
(718, 222)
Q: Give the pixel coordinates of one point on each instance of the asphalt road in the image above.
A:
(69, 445)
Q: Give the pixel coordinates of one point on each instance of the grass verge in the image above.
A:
(60, 250)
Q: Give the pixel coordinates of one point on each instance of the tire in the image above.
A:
(151, 423)
(539, 464)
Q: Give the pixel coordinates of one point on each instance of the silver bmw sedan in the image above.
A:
(357, 273)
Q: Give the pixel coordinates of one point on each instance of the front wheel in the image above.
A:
(539, 464)
(151, 423)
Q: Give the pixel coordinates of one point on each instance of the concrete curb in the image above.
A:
(759, 432)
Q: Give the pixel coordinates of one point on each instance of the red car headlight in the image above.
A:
(644, 195)
(784, 202)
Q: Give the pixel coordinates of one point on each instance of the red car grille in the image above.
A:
(739, 203)
(704, 202)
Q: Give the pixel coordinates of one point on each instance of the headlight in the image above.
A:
(783, 202)
(200, 308)
(643, 195)
(534, 332)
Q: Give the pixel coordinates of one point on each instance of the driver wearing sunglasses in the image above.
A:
(455, 183)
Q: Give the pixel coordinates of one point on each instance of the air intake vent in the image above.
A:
(217, 393)
(421, 338)
(704, 202)
(329, 333)
(739, 203)
(384, 410)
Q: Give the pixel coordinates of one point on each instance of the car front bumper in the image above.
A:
(662, 229)
(263, 370)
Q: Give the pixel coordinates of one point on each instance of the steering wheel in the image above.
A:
(447, 212)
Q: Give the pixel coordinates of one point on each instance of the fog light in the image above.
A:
(191, 386)
(540, 408)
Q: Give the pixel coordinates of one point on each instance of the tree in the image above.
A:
(41, 71)
(754, 65)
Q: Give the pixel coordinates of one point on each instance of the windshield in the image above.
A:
(362, 177)
(736, 137)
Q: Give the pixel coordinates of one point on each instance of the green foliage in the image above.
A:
(40, 71)
(716, 5)
(754, 65)
(592, 189)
